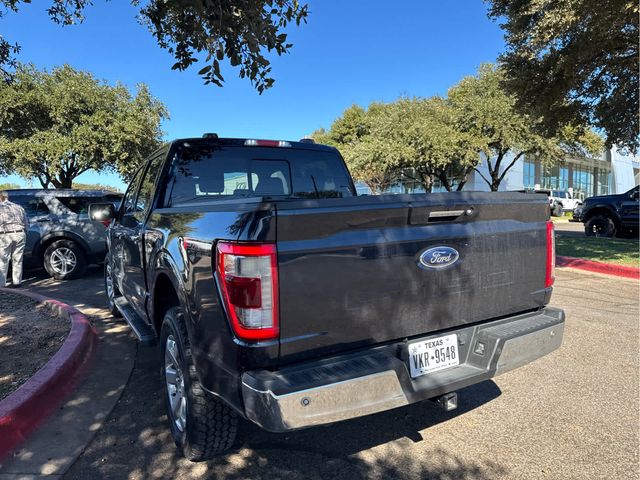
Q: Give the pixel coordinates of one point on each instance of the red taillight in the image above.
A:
(551, 256)
(106, 223)
(248, 276)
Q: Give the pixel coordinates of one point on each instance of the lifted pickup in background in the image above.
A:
(609, 215)
(279, 296)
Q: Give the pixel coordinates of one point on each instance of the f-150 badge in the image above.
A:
(438, 258)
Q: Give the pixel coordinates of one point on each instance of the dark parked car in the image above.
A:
(61, 236)
(281, 297)
(609, 215)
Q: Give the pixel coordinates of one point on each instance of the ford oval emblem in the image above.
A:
(438, 258)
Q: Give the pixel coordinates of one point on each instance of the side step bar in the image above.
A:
(146, 335)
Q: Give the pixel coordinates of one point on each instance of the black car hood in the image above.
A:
(602, 199)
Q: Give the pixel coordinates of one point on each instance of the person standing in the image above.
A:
(13, 233)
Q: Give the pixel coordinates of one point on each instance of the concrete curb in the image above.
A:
(598, 267)
(31, 404)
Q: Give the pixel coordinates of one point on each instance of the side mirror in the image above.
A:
(102, 212)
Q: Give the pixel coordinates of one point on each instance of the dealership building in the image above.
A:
(612, 172)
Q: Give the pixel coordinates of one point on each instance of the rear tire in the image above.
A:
(64, 260)
(202, 426)
(557, 210)
(600, 226)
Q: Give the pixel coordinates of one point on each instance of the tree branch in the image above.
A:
(483, 177)
(513, 162)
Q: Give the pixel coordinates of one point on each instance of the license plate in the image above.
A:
(434, 354)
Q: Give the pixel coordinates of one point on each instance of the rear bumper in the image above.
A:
(349, 386)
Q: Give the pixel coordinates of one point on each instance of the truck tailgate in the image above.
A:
(351, 276)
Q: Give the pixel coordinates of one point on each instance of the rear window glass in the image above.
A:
(212, 172)
(33, 206)
(80, 205)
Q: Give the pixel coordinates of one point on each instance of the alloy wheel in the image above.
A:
(63, 260)
(108, 281)
(175, 384)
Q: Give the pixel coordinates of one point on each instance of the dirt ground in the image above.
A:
(29, 336)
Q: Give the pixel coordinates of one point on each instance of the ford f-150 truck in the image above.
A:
(279, 296)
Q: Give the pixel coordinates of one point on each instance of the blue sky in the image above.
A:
(348, 52)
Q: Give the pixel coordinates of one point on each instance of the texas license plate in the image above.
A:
(434, 354)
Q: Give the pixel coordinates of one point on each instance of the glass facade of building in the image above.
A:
(585, 176)
(604, 182)
(556, 177)
(583, 180)
(529, 174)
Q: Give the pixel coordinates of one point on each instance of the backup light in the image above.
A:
(248, 276)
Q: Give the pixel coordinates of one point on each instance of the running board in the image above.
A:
(146, 335)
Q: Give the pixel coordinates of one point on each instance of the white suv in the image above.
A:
(565, 199)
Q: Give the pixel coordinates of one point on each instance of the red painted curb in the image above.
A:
(31, 404)
(598, 267)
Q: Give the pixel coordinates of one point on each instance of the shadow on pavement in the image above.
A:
(136, 443)
(57, 443)
(85, 293)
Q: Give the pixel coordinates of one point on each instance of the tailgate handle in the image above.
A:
(444, 215)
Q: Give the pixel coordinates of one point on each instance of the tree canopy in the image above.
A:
(240, 31)
(56, 125)
(371, 157)
(95, 186)
(574, 62)
(424, 139)
(490, 115)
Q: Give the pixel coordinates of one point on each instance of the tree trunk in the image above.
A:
(494, 170)
(495, 173)
(464, 178)
(63, 180)
(426, 180)
(444, 179)
(66, 182)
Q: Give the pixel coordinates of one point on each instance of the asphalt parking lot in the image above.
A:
(573, 414)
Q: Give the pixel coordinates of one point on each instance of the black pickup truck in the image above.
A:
(609, 215)
(279, 296)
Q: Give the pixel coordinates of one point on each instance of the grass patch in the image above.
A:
(607, 250)
(563, 218)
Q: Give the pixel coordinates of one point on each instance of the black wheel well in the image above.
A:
(164, 297)
(601, 211)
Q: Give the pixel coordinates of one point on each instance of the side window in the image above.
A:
(145, 195)
(77, 205)
(129, 201)
(34, 206)
(114, 198)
